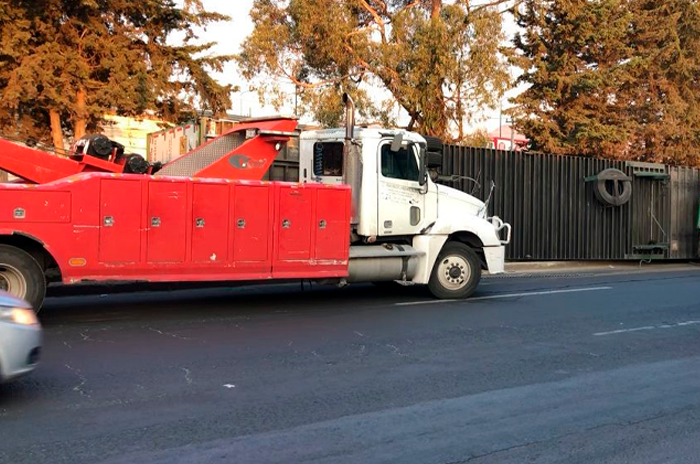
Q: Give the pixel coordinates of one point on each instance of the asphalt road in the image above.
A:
(576, 369)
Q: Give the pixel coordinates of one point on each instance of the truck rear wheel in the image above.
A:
(21, 276)
(456, 273)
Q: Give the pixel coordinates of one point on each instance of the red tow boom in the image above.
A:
(244, 153)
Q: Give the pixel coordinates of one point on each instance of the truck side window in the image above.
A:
(328, 159)
(401, 164)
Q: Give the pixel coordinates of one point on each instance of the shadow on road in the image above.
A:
(174, 302)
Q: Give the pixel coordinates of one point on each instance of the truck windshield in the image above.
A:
(400, 164)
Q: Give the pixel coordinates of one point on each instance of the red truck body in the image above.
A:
(208, 218)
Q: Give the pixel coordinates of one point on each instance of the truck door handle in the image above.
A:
(199, 223)
(155, 222)
(286, 223)
(108, 221)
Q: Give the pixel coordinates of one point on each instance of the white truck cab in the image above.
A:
(405, 227)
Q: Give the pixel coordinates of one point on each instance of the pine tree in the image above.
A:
(434, 58)
(612, 78)
(664, 96)
(65, 63)
(479, 138)
(572, 54)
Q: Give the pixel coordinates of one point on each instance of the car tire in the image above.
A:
(456, 272)
(22, 276)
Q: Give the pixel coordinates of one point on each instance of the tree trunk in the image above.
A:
(460, 112)
(409, 127)
(80, 124)
(437, 5)
(56, 132)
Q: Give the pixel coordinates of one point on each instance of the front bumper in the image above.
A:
(496, 255)
(495, 259)
(20, 347)
(500, 226)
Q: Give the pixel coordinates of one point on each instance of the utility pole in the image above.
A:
(512, 135)
(500, 119)
(240, 101)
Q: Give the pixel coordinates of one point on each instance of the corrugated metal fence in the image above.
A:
(555, 213)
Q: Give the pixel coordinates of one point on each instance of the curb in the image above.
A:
(589, 267)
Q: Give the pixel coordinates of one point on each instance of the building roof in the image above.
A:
(505, 133)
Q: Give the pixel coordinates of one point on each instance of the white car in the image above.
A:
(20, 338)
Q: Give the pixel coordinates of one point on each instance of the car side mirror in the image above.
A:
(434, 160)
(397, 143)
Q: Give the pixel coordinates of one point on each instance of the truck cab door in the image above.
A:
(401, 200)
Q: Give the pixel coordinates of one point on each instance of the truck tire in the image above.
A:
(456, 273)
(22, 276)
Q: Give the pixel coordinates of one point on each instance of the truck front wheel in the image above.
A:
(456, 273)
(21, 276)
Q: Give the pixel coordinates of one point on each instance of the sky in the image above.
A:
(229, 37)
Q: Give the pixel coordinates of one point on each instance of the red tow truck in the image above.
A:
(103, 215)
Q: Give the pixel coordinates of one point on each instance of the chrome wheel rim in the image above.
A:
(454, 272)
(12, 281)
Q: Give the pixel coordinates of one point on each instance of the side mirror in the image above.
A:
(397, 142)
(423, 167)
(434, 160)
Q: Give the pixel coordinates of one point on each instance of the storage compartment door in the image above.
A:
(26, 206)
(294, 223)
(210, 216)
(120, 221)
(332, 224)
(250, 222)
(167, 222)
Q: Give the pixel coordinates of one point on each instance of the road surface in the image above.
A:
(570, 369)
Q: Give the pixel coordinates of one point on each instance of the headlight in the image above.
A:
(19, 316)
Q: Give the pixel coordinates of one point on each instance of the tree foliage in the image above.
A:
(613, 78)
(437, 61)
(65, 63)
(478, 138)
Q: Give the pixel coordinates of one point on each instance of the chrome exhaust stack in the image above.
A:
(349, 118)
(352, 161)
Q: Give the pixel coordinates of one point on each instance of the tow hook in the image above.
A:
(499, 225)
